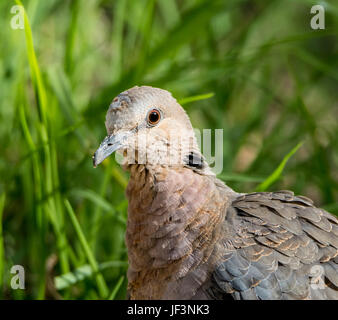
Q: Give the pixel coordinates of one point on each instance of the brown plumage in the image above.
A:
(189, 236)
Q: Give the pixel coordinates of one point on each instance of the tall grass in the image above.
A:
(253, 68)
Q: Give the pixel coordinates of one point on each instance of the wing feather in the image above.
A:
(278, 238)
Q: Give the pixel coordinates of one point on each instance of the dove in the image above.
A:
(190, 236)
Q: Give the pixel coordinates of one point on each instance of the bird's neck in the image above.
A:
(174, 219)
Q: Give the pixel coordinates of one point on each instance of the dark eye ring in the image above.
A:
(153, 117)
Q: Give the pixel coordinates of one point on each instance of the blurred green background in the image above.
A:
(271, 80)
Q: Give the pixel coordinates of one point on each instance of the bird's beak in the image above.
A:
(110, 144)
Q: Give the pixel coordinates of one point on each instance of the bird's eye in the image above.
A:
(153, 117)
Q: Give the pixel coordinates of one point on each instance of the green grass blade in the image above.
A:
(145, 30)
(278, 172)
(98, 200)
(70, 44)
(116, 288)
(236, 177)
(195, 20)
(117, 39)
(67, 280)
(50, 178)
(196, 98)
(101, 284)
(35, 162)
(170, 12)
(2, 252)
(119, 176)
(35, 70)
(39, 214)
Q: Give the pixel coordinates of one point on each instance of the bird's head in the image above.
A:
(148, 126)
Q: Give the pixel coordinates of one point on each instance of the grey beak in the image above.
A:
(108, 146)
